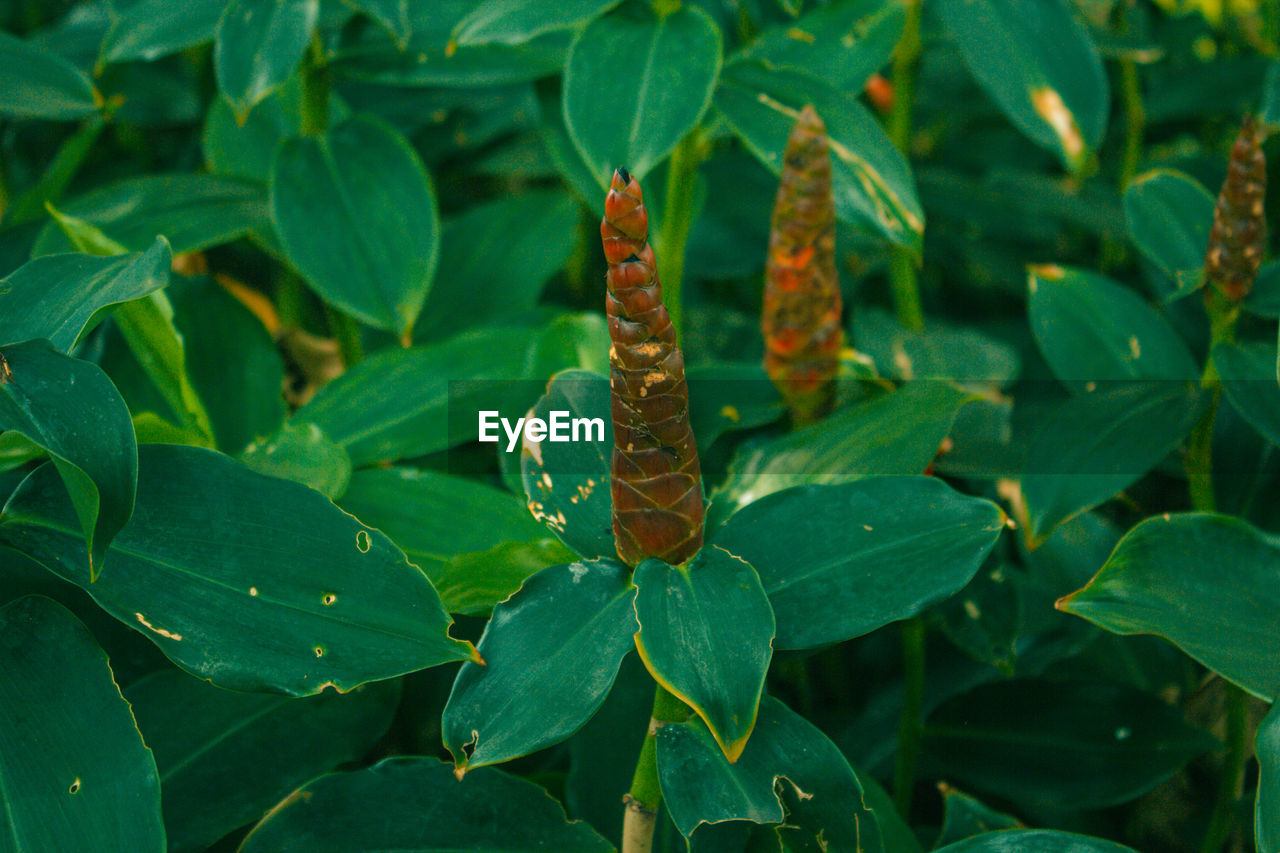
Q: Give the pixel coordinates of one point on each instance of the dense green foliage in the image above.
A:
(1008, 583)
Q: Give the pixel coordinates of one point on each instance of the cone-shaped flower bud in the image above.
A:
(1239, 224)
(657, 482)
(801, 318)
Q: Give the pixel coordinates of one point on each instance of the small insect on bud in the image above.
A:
(1239, 223)
(801, 317)
(657, 481)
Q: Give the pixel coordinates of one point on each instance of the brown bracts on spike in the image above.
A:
(656, 482)
(1239, 225)
(801, 317)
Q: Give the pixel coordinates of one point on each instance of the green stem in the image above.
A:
(645, 796)
(1135, 124)
(910, 724)
(290, 300)
(677, 221)
(346, 332)
(903, 281)
(315, 89)
(1231, 782)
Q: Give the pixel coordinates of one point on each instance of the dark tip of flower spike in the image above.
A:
(624, 174)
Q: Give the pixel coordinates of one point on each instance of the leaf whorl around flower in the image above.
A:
(801, 317)
(656, 479)
(1239, 224)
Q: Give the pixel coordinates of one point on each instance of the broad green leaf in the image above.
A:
(245, 149)
(434, 404)
(896, 433)
(1039, 65)
(551, 653)
(475, 582)
(225, 757)
(518, 21)
(420, 808)
(1249, 379)
(74, 773)
(844, 42)
(151, 29)
(1267, 818)
(569, 342)
(1098, 444)
(964, 816)
(29, 205)
(567, 483)
(192, 211)
(392, 15)
(258, 44)
(430, 60)
(251, 582)
(822, 797)
(871, 181)
(70, 408)
(728, 396)
(436, 517)
(1034, 841)
(1269, 112)
(356, 214)
(499, 257)
(231, 361)
(706, 633)
(636, 83)
(955, 353)
(1210, 584)
(302, 453)
(841, 561)
(1264, 299)
(56, 297)
(37, 83)
(1091, 329)
(1168, 215)
(1060, 744)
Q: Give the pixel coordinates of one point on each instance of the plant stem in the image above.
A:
(903, 282)
(346, 332)
(1135, 121)
(910, 723)
(645, 797)
(1199, 464)
(315, 89)
(677, 221)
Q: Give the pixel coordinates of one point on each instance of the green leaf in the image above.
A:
(301, 453)
(567, 483)
(225, 758)
(1267, 818)
(56, 297)
(421, 808)
(551, 653)
(1091, 329)
(504, 252)
(1034, 841)
(356, 411)
(823, 798)
(257, 46)
(1249, 379)
(231, 361)
(1264, 299)
(1210, 584)
(841, 561)
(954, 353)
(964, 816)
(356, 214)
(435, 518)
(74, 773)
(518, 21)
(636, 83)
(430, 61)
(871, 180)
(1098, 444)
(37, 83)
(475, 582)
(896, 433)
(729, 396)
(570, 341)
(70, 408)
(151, 29)
(1168, 215)
(1060, 744)
(249, 581)
(392, 15)
(245, 149)
(845, 42)
(706, 633)
(1269, 111)
(1040, 67)
(194, 212)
